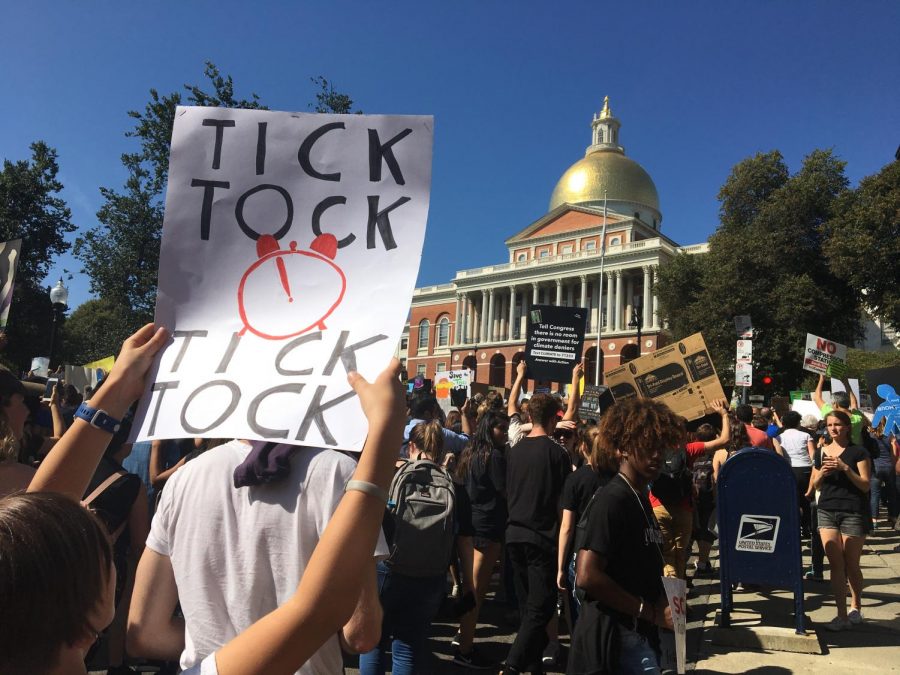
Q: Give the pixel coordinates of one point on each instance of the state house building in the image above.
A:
(478, 320)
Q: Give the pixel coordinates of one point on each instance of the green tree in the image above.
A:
(121, 254)
(863, 242)
(765, 260)
(31, 210)
(86, 334)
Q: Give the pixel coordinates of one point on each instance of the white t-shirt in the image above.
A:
(238, 553)
(795, 446)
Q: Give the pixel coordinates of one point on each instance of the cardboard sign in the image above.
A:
(824, 357)
(290, 248)
(676, 593)
(555, 341)
(450, 386)
(743, 326)
(9, 260)
(681, 375)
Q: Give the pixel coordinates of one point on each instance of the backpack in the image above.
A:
(675, 481)
(703, 475)
(421, 506)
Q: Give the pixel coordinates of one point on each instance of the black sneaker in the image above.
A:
(703, 570)
(551, 654)
(472, 660)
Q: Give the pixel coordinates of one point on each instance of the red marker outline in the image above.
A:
(320, 323)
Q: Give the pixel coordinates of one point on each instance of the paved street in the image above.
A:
(873, 647)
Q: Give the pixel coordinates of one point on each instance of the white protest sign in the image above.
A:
(676, 592)
(806, 408)
(40, 366)
(743, 374)
(290, 248)
(820, 354)
(837, 385)
(448, 382)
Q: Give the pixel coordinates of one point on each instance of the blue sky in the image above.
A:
(698, 86)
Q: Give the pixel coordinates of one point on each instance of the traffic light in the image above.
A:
(767, 380)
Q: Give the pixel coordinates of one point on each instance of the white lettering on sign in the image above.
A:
(758, 534)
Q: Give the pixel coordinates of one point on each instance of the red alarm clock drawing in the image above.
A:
(287, 293)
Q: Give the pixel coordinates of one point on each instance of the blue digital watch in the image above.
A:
(97, 418)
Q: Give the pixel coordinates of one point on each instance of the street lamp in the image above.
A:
(59, 297)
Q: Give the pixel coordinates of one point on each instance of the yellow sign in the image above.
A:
(105, 364)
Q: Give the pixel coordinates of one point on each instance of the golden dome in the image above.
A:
(610, 171)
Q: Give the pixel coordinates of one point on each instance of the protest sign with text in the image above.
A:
(9, 261)
(554, 343)
(681, 375)
(824, 357)
(451, 388)
(290, 247)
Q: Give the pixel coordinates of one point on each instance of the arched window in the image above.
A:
(423, 334)
(615, 241)
(521, 257)
(443, 332)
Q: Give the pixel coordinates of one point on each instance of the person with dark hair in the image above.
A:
(620, 562)
(704, 501)
(674, 512)
(758, 437)
(883, 482)
(798, 447)
(482, 472)
(536, 470)
(423, 408)
(14, 475)
(119, 499)
(842, 475)
(57, 579)
(598, 469)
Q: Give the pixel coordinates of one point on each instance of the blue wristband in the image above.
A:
(98, 419)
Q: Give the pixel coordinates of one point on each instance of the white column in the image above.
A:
(489, 324)
(500, 319)
(655, 299)
(647, 298)
(629, 300)
(595, 304)
(559, 292)
(512, 313)
(570, 293)
(482, 331)
(609, 301)
(470, 323)
(583, 303)
(620, 293)
(535, 289)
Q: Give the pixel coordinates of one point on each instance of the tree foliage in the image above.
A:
(31, 210)
(121, 254)
(86, 334)
(766, 260)
(863, 242)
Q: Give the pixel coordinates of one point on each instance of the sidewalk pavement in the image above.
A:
(873, 646)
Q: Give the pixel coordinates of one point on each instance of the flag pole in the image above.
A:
(600, 299)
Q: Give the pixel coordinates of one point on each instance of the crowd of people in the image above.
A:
(232, 556)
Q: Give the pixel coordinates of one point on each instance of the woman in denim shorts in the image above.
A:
(842, 475)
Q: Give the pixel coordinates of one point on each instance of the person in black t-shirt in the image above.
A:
(842, 475)
(580, 486)
(482, 471)
(536, 470)
(620, 563)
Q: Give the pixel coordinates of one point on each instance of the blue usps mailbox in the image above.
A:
(759, 527)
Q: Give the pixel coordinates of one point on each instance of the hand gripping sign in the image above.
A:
(290, 249)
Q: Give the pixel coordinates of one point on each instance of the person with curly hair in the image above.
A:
(620, 561)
